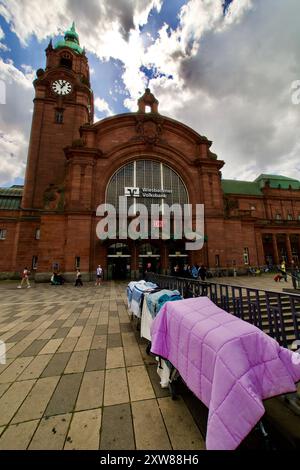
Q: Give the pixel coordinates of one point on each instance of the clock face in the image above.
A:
(62, 87)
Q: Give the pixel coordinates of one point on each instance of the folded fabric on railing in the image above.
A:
(156, 300)
(229, 364)
(137, 296)
(130, 288)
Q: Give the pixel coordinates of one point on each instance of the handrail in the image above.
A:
(276, 313)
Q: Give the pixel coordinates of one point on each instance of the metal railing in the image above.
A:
(275, 313)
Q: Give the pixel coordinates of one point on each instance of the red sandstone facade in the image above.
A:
(71, 161)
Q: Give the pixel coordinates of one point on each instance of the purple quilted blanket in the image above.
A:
(230, 365)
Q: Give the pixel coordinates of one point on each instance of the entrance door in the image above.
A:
(118, 268)
(149, 264)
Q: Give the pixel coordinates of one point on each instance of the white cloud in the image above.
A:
(15, 119)
(102, 106)
(231, 75)
(13, 148)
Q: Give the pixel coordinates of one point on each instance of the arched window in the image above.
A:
(147, 182)
(66, 60)
(118, 249)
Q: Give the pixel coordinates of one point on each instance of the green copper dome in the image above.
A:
(71, 40)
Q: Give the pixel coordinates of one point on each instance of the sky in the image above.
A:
(223, 67)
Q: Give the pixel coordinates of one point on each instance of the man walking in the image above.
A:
(25, 278)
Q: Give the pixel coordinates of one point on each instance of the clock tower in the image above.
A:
(63, 102)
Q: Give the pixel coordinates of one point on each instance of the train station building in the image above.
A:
(75, 164)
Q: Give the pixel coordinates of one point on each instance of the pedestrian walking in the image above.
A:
(25, 278)
(78, 281)
(99, 275)
(283, 270)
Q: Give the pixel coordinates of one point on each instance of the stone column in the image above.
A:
(260, 252)
(288, 248)
(275, 249)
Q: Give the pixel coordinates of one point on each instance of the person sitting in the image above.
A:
(56, 279)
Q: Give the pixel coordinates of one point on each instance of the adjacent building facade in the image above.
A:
(74, 165)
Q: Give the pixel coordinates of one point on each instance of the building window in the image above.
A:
(278, 216)
(217, 261)
(34, 262)
(246, 255)
(59, 116)
(137, 176)
(290, 217)
(37, 233)
(77, 262)
(3, 233)
(55, 267)
(299, 217)
(66, 60)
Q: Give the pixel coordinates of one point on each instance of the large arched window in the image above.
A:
(153, 182)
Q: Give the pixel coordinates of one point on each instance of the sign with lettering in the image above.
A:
(146, 192)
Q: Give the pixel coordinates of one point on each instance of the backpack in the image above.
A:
(194, 272)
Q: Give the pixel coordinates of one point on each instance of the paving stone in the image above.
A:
(101, 330)
(37, 400)
(56, 365)
(36, 367)
(51, 433)
(84, 432)
(114, 358)
(35, 347)
(152, 435)
(129, 339)
(84, 343)
(114, 340)
(48, 333)
(117, 430)
(96, 360)
(15, 369)
(91, 391)
(18, 336)
(68, 345)
(182, 429)
(133, 355)
(80, 322)
(13, 398)
(3, 388)
(18, 436)
(113, 325)
(57, 323)
(51, 346)
(116, 390)
(77, 362)
(64, 398)
(75, 332)
(61, 333)
(99, 342)
(140, 387)
(125, 327)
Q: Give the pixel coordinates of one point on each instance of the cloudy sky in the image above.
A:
(223, 67)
